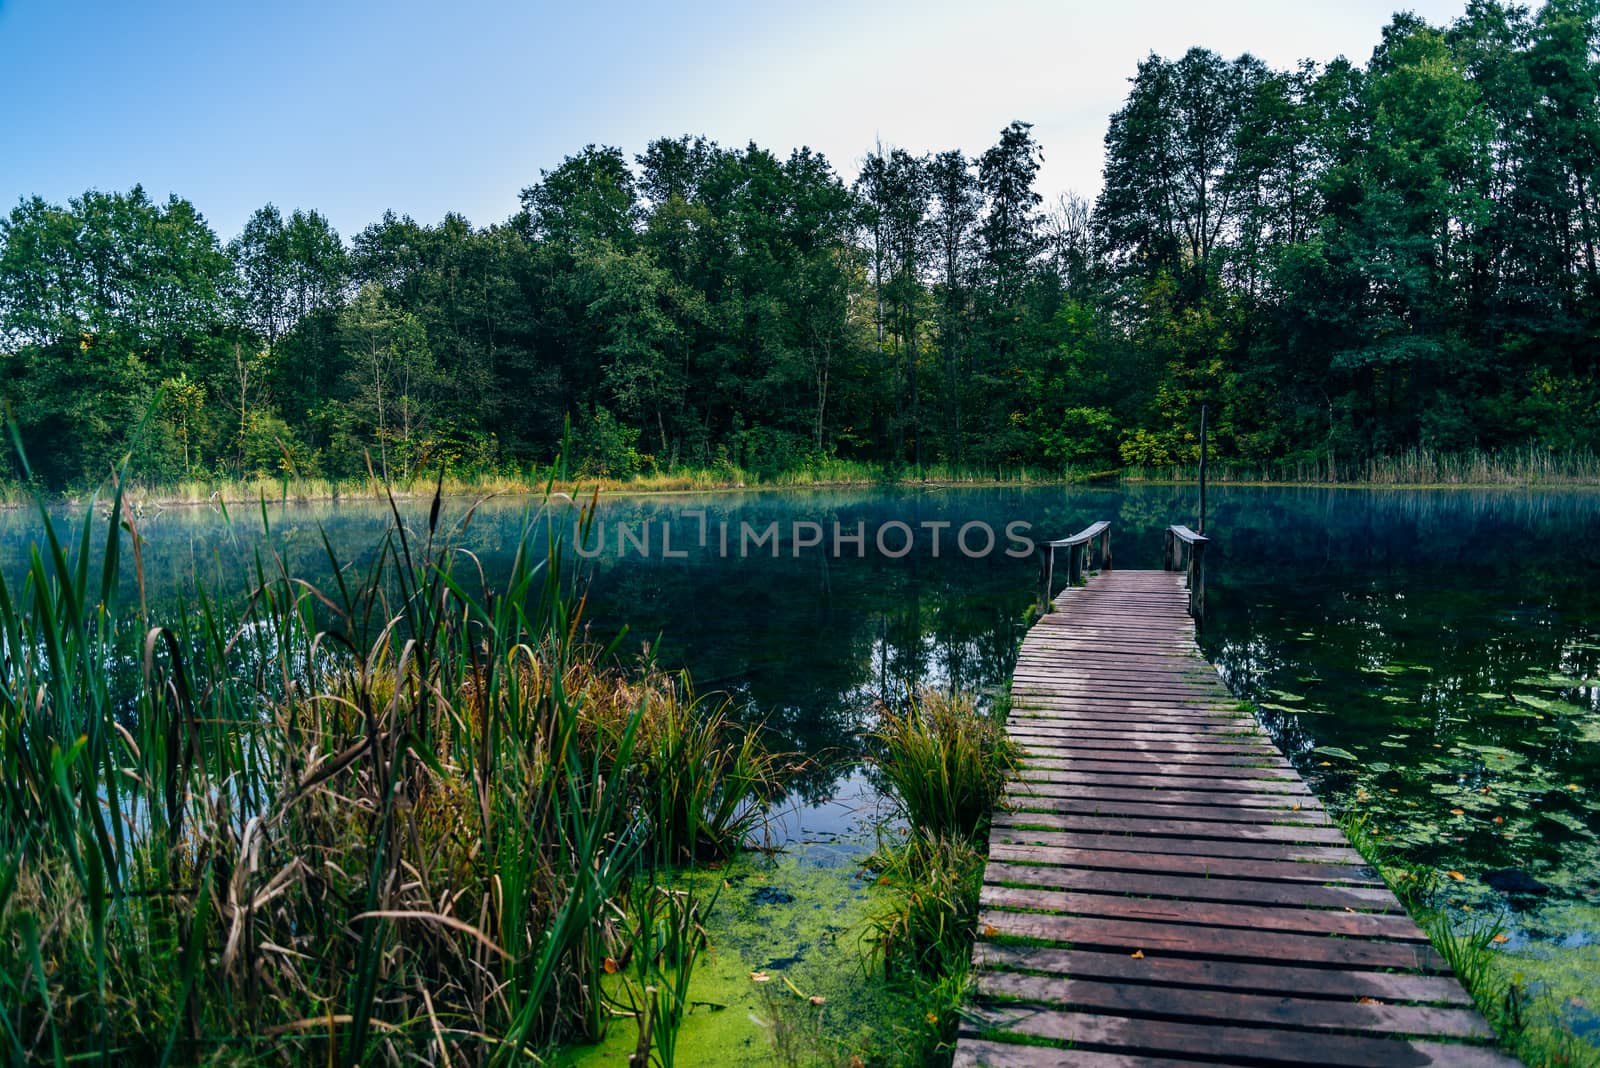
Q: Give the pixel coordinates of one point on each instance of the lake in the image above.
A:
(1429, 658)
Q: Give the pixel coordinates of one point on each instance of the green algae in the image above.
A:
(785, 979)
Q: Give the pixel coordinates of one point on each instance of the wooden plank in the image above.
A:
(1188, 829)
(1261, 978)
(983, 1053)
(1065, 750)
(1145, 883)
(1173, 857)
(1259, 786)
(1061, 761)
(1024, 800)
(1096, 790)
(1225, 1007)
(1341, 922)
(1217, 943)
(1255, 1045)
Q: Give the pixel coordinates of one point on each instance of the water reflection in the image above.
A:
(1429, 657)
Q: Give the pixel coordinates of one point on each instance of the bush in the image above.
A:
(947, 762)
(605, 448)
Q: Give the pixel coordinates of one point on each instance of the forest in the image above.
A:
(1341, 260)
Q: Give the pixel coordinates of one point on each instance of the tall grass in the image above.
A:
(1527, 465)
(947, 763)
(143, 497)
(406, 814)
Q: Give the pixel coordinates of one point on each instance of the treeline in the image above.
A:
(1343, 261)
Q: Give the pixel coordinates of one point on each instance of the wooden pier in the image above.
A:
(1163, 889)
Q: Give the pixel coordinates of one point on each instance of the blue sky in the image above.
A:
(455, 106)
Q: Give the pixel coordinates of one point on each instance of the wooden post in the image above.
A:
(1047, 564)
(1201, 529)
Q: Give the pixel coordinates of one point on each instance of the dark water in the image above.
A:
(1427, 657)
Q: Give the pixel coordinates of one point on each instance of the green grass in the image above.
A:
(947, 763)
(404, 815)
(1414, 467)
(143, 496)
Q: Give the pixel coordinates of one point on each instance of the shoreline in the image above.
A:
(236, 494)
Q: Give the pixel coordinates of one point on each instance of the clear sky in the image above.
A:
(456, 105)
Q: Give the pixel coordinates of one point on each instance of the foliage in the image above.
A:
(1344, 261)
(946, 762)
(394, 817)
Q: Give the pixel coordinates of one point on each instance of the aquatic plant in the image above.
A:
(709, 779)
(946, 761)
(928, 929)
(1527, 1026)
(390, 817)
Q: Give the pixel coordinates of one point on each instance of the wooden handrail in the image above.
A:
(1079, 547)
(1082, 536)
(1187, 535)
(1181, 543)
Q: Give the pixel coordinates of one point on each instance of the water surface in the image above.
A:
(1429, 658)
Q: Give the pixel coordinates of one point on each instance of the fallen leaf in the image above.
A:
(1500, 938)
(1458, 812)
(1499, 819)
(1297, 806)
(1326, 764)
(611, 966)
(1370, 1001)
(1457, 876)
(990, 930)
(1137, 954)
(760, 977)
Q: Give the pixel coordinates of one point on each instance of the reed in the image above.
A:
(405, 815)
(1527, 465)
(946, 761)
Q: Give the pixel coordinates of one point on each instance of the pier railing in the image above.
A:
(1186, 551)
(1080, 556)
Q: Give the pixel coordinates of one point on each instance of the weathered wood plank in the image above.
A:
(1341, 922)
(1255, 1045)
(1170, 863)
(1021, 799)
(1191, 829)
(1192, 888)
(1226, 1007)
(1261, 978)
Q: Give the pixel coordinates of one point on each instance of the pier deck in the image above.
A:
(1163, 889)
